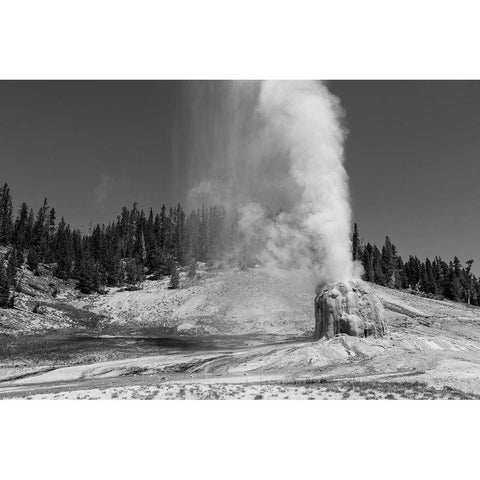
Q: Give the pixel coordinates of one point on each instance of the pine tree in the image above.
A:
(6, 226)
(40, 231)
(20, 257)
(412, 270)
(430, 283)
(401, 279)
(140, 247)
(162, 225)
(179, 234)
(89, 280)
(20, 229)
(4, 287)
(174, 277)
(134, 272)
(201, 253)
(151, 237)
(115, 269)
(63, 254)
(356, 249)
(12, 268)
(51, 221)
(389, 262)
(469, 281)
(32, 258)
(367, 263)
(29, 229)
(453, 289)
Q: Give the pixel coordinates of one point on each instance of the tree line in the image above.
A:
(139, 244)
(123, 252)
(435, 278)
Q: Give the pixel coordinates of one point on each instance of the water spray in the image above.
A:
(272, 152)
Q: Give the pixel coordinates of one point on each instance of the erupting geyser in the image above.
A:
(272, 153)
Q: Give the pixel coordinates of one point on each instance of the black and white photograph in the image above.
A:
(212, 240)
(239, 240)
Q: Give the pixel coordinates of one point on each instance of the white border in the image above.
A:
(238, 39)
(239, 439)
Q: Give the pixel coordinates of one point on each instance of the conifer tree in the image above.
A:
(401, 279)
(6, 226)
(430, 283)
(367, 262)
(20, 229)
(20, 257)
(29, 228)
(40, 231)
(174, 277)
(389, 262)
(356, 249)
(12, 268)
(453, 289)
(63, 255)
(89, 280)
(4, 287)
(32, 258)
(469, 282)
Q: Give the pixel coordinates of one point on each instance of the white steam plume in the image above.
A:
(273, 151)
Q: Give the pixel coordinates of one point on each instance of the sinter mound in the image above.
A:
(350, 308)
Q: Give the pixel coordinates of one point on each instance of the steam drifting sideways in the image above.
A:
(272, 153)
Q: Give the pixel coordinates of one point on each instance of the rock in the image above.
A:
(348, 308)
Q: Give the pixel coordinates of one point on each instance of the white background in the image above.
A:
(237, 40)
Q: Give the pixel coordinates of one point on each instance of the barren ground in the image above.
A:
(232, 335)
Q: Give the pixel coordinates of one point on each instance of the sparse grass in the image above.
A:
(347, 389)
(372, 390)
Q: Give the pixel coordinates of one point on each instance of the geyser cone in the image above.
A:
(350, 308)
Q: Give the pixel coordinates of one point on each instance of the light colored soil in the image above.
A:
(223, 302)
(261, 391)
(432, 344)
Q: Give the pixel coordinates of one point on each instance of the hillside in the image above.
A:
(44, 303)
(225, 302)
(221, 302)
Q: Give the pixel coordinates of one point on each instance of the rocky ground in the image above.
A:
(230, 334)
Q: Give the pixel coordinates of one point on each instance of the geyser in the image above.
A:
(350, 308)
(272, 153)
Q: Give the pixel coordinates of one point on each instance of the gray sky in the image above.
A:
(92, 147)
(413, 158)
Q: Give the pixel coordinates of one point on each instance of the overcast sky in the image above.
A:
(91, 147)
